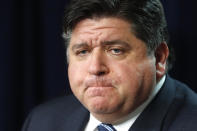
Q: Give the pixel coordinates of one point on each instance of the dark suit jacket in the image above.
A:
(173, 109)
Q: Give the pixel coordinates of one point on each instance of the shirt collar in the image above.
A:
(128, 121)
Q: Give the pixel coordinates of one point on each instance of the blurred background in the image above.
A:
(32, 54)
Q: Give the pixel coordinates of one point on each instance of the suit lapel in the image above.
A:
(152, 118)
(79, 120)
(76, 120)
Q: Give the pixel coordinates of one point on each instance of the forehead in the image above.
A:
(101, 26)
(111, 22)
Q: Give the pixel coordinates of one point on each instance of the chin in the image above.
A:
(101, 106)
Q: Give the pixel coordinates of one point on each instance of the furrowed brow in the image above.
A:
(116, 42)
(80, 45)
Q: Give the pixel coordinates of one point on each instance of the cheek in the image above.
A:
(135, 78)
(127, 75)
(76, 77)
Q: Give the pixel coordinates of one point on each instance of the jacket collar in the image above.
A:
(152, 118)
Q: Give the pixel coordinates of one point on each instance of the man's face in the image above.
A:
(109, 69)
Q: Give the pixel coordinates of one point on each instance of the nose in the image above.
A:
(97, 64)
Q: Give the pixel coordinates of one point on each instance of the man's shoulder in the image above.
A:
(60, 104)
(173, 109)
(183, 110)
(189, 97)
(59, 114)
(55, 115)
(183, 95)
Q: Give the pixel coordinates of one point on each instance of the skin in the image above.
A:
(109, 69)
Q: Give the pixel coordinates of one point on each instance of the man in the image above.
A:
(117, 62)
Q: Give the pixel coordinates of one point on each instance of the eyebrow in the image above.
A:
(116, 42)
(103, 43)
(80, 45)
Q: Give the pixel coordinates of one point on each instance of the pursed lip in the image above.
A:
(98, 87)
(98, 83)
(93, 91)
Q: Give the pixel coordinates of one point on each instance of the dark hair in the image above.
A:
(147, 17)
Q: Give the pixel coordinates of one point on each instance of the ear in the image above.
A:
(161, 55)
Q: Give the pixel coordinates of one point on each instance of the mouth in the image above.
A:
(98, 86)
(94, 91)
(98, 82)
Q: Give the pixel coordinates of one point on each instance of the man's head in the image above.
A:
(146, 16)
(117, 53)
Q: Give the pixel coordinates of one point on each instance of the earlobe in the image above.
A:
(161, 55)
(160, 69)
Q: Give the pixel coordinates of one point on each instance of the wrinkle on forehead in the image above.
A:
(97, 30)
(102, 23)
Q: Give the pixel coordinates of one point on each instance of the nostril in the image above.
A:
(101, 73)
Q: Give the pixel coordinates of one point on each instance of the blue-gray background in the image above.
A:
(32, 53)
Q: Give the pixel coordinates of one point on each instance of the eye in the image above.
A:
(116, 51)
(82, 52)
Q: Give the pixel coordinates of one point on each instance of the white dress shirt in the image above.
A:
(128, 122)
